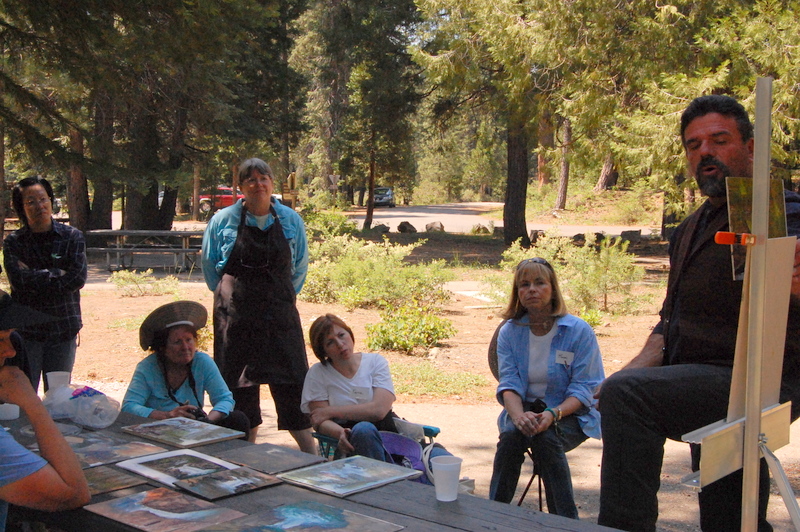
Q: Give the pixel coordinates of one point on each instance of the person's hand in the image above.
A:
(186, 411)
(544, 421)
(344, 442)
(796, 272)
(320, 415)
(15, 387)
(527, 423)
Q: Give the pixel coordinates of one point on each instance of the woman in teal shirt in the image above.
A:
(172, 381)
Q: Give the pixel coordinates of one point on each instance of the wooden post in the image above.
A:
(758, 274)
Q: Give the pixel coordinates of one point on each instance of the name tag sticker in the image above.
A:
(360, 392)
(565, 357)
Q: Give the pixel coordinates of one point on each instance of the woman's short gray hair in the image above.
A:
(247, 167)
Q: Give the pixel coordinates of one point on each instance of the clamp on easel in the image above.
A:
(734, 239)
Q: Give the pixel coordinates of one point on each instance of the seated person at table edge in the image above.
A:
(54, 480)
(348, 394)
(680, 381)
(171, 381)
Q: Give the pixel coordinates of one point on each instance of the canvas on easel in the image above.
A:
(740, 215)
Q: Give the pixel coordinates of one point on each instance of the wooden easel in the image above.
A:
(756, 422)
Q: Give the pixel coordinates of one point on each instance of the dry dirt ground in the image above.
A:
(109, 351)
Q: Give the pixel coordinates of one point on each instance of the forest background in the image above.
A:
(147, 104)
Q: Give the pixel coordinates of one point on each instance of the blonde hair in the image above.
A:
(530, 269)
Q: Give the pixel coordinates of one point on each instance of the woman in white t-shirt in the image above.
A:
(348, 394)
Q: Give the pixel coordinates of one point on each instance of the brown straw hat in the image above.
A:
(16, 316)
(169, 315)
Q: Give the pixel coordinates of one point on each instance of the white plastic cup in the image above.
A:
(446, 473)
(56, 379)
(9, 411)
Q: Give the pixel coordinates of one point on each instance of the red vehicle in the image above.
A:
(222, 197)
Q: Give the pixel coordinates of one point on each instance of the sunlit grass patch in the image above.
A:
(424, 378)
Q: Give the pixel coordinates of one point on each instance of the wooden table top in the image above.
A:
(404, 503)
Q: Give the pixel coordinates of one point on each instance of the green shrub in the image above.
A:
(408, 327)
(591, 316)
(591, 275)
(361, 274)
(328, 224)
(134, 284)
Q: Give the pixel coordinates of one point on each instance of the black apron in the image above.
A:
(258, 337)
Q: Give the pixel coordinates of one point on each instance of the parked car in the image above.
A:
(222, 197)
(384, 196)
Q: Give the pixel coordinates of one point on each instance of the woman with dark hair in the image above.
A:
(348, 394)
(171, 381)
(549, 366)
(46, 265)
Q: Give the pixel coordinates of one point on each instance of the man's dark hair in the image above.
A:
(16, 194)
(718, 103)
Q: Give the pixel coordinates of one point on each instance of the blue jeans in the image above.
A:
(640, 409)
(49, 355)
(366, 440)
(549, 451)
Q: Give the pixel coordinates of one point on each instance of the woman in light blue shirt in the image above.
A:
(549, 365)
(172, 381)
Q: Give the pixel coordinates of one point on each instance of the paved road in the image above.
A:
(462, 217)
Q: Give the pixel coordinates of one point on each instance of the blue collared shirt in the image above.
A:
(221, 232)
(577, 379)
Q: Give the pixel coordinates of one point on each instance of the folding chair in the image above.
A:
(493, 367)
(327, 444)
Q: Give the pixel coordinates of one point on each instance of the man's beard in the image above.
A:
(713, 187)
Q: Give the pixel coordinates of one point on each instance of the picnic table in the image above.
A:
(183, 246)
(404, 503)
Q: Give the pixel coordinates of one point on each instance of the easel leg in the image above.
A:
(784, 487)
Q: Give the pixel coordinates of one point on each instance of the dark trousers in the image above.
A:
(549, 450)
(640, 409)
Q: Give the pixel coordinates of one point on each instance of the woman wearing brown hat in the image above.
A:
(171, 381)
(52, 480)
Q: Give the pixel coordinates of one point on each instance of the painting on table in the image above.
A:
(163, 510)
(349, 475)
(227, 482)
(305, 515)
(269, 458)
(183, 432)
(173, 466)
(98, 448)
(104, 479)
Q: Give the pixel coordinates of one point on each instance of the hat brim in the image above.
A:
(169, 315)
(16, 316)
